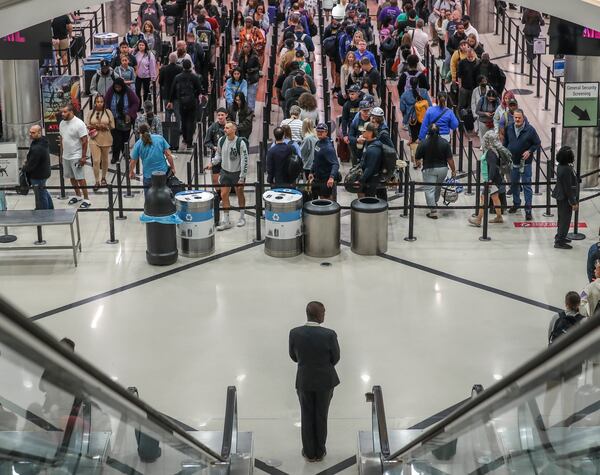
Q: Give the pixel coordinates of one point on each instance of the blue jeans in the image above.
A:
(43, 200)
(432, 192)
(252, 90)
(515, 186)
(147, 184)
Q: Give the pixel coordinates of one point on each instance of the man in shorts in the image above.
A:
(74, 144)
(62, 29)
(232, 154)
(325, 166)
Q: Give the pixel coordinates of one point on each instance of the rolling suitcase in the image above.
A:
(171, 133)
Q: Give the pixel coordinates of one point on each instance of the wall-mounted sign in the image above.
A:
(34, 42)
(558, 68)
(9, 165)
(580, 105)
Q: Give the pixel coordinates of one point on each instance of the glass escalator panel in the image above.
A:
(59, 414)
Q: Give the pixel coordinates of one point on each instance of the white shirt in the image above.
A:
(419, 40)
(71, 132)
(312, 324)
(472, 30)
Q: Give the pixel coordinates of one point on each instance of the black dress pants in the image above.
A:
(565, 212)
(314, 407)
(120, 138)
(188, 124)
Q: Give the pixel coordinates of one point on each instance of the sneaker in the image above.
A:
(224, 226)
(562, 245)
(85, 204)
(513, 209)
(474, 222)
(497, 220)
(432, 215)
(308, 459)
(241, 222)
(74, 199)
(528, 216)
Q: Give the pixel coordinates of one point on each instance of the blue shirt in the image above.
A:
(446, 123)
(153, 156)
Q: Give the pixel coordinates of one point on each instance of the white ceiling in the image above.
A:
(16, 15)
(582, 12)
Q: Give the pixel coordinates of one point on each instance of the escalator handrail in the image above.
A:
(45, 339)
(505, 384)
(230, 427)
(379, 432)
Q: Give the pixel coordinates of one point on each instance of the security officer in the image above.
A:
(325, 168)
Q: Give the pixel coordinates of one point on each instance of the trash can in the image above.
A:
(160, 218)
(369, 226)
(196, 233)
(283, 222)
(321, 228)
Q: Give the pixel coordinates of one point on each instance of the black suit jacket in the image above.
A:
(316, 351)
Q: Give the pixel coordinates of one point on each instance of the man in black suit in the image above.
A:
(316, 351)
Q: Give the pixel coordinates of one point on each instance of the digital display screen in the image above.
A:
(570, 38)
(34, 42)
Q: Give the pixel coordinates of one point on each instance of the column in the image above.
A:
(118, 16)
(584, 69)
(21, 101)
(482, 16)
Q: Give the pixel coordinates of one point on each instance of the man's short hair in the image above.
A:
(278, 134)
(69, 107)
(365, 61)
(231, 123)
(519, 111)
(314, 310)
(572, 299)
(187, 64)
(221, 110)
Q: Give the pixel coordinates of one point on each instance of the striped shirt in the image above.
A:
(296, 126)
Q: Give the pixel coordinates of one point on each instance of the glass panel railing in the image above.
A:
(542, 418)
(59, 414)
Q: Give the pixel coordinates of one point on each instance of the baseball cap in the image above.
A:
(351, 8)
(104, 63)
(377, 112)
(299, 53)
(512, 101)
(354, 88)
(323, 127)
(364, 105)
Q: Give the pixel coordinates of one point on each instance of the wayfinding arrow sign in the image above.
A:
(580, 107)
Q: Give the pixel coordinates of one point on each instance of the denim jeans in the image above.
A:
(515, 186)
(43, 200)
(432, 192)
(147, 183)
(252, 90)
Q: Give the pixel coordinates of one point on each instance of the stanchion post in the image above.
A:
(547, 97)
(40, 238)
(111, 217)
(556, 100)
(548, 213)
(61, 175)
(576, 235)
(508, 41)
(120, 193)
(503, 29)
(189, 175)
(411, 216)
(258, 199)
(538, 83)
(552, 147)
(522, 52)
(128, 193)
(470, 169)
(461, 145)
(486, 211)
(538, 167)
(478, 188)
(406, 190)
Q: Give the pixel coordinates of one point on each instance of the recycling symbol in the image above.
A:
(188, 217)
(275, 217)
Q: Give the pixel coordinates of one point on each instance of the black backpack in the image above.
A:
(330, 46)
(205, 38)
(563, 324)
(295, 164)
(389, 157)
(186, 93)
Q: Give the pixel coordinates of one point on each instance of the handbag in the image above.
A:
(174, 183)
(93, 132)
(24, 183)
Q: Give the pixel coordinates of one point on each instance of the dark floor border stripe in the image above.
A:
(425, 423)
(267, 468)
(144, 281)
(338, 467)
(477, 285)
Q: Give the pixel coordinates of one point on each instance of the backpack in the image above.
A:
(418, 112)
(330, 46)
(205, 38)
(563, 324)
(299, 44)
(388, 162)
(186, 94)
(352, 177)
(238, 142)
(409, 76)
(295, 164)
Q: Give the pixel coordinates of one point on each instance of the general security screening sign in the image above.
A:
(581, 104)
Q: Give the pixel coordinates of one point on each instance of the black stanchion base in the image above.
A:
(58, 197)
(481, 238)
(119, 218)
(576, 236)
(410, 239)
(7, 238)
(539, 193)
(258, 240)
(108, 241)
(125, 195)
(39, 243)
(547, 215)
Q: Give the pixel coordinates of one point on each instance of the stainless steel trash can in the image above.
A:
(321, 228)
(196, 235)
(369, 226)
(283, 222)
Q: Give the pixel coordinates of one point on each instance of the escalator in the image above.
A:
(59, 414)
(543, 418)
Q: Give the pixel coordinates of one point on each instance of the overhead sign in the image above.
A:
(539, 45)
(31, 43)
(9, 165)
(580, 105)
(558, 68)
